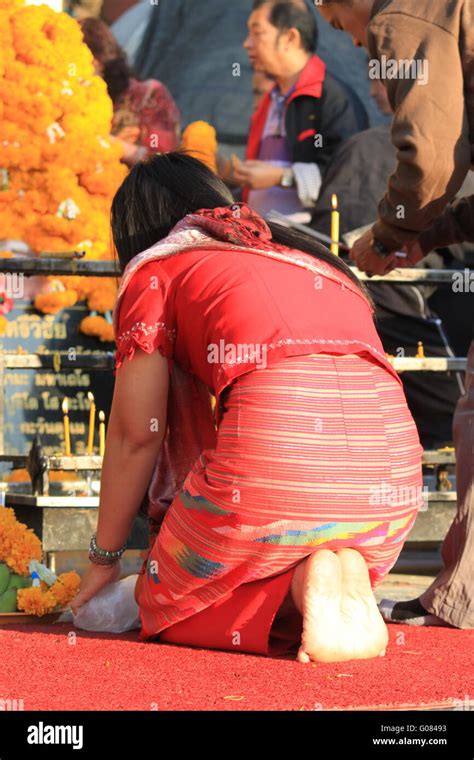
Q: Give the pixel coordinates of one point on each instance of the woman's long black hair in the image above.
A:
(159, 192)
(116, 71)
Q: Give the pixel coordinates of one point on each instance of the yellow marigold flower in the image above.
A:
(35, 601)
(101, 300)
(56, 476)
(17, 476)
(200, 140)
(51, 303)
(66, 587)
(98, 327)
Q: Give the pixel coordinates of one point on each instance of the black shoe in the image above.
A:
(409, 613)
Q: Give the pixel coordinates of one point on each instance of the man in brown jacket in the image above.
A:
(423, 51)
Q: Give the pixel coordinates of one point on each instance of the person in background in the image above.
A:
(262, 83)
(300, 123)
(130, 25)
(433, 132)
(81, 9)
(358, 175)
(112, 10)
(146, 117)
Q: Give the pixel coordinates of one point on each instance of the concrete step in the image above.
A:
(433, 523)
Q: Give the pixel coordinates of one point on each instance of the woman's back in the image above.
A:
(221, 312)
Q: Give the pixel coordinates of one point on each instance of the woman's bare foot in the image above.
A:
(341, 620)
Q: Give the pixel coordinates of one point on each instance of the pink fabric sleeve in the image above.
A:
(145, 320)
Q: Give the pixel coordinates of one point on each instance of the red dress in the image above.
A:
(313, 429)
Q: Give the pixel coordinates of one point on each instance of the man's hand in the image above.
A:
(93, 581)
(257, 175)
(368, 260)
(414, 255)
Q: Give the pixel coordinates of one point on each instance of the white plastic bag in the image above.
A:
(113, 609)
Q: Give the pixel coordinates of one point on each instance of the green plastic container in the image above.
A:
(9, 584)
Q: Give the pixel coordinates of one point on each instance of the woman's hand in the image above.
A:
(129, 134)
(131, 153)
(93, 581)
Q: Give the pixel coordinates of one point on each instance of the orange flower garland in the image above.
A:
(51, 303)
(98, 327)
(58, 167)
(18, 546)
(40, 601)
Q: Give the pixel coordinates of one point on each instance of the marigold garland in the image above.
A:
(18, 544)
(59, 170)
(52, 303)
(54, 476)
(42, 601)
(35, 601)
(98, 327)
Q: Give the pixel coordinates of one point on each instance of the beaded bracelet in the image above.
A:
(102, 556)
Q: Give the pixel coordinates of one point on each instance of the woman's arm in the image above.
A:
(134, 437)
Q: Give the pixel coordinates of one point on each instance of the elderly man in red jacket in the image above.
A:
(423, 51)
(300, 123)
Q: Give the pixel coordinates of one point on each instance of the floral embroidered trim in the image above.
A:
(145, 330)
(302, 342)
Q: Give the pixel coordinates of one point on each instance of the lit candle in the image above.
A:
(90, 442)
(420, 354)
(67, 433)
(101, 434)
(334, 226)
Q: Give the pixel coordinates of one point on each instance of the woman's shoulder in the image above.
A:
(146, 90)
(140, 274)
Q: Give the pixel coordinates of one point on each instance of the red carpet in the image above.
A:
(45, 669)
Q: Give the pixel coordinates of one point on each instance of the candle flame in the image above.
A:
(90, 396)
(334, 201)
(102, 416)
(65, 406)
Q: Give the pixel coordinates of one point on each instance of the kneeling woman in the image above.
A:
(299, 503)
